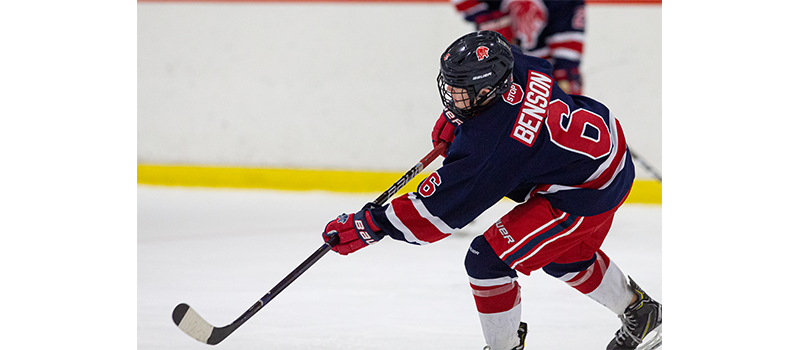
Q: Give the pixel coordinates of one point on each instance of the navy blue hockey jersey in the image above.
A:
(536, 140)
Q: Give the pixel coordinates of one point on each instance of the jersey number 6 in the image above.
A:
(428, 186)
(578, 131)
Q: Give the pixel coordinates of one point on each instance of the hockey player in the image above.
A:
(549, 29)
(513, 133)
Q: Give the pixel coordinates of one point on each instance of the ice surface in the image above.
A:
(221, 250)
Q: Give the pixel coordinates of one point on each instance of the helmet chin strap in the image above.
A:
(483, 100)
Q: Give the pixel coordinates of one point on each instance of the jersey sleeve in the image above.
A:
(469, 182)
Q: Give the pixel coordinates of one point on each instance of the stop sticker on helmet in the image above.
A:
(482, 52)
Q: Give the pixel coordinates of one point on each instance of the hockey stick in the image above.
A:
(196, 327)
(647, 166)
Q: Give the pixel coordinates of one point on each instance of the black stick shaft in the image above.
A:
(321, 251)
(647, 166)
(424, 162)
(222, 333)
(218, 334)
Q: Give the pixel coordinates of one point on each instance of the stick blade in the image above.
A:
(192, 324)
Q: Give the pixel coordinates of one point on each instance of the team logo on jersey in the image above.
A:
(534, 109)
(482, 52)
(514, 94)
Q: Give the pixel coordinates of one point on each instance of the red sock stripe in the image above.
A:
(588, 280)
(495, 299)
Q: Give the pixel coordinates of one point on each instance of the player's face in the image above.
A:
(460, 97)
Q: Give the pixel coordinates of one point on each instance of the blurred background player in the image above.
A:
(512, 132)
(553, 30)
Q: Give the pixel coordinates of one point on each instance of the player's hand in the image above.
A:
(355, 231)
(443, 131)
(569, 80)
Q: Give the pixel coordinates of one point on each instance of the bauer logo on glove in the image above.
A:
(361, 233)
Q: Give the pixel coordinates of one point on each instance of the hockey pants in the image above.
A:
(533, 236)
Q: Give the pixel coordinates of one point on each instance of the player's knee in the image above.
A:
(483, 263)
(558, 270)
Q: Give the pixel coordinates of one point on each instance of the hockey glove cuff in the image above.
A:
(443, 131)
(355, 231)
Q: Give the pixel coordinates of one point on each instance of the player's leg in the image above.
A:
(534, 235)
(528, 236)
(497, 297)
(598, 277)
(590, 271)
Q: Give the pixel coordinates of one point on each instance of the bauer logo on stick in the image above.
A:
(482, 52)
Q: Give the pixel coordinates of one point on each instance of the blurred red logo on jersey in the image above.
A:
(514, 94)
(482, 52)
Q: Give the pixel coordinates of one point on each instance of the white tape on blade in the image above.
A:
(195, 326)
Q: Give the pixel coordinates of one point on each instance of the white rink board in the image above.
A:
(341, 86)
(221, 250)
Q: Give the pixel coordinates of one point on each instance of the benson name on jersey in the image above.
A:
(534, 108)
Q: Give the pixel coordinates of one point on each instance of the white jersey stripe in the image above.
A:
(424, 213)
(566, 37)
(565, 53)
(407, 234)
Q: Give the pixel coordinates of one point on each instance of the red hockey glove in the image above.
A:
(569, 80)
(443, 131)
(355, 231)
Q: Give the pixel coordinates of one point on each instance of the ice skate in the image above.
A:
(640, 319)
(521, 332)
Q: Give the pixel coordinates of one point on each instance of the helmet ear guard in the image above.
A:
(476, 61)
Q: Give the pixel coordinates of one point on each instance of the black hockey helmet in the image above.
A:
(473, 62)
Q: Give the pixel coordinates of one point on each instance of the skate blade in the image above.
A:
(652, 340)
